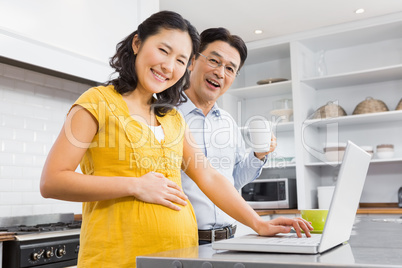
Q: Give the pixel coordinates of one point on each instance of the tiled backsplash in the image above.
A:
(33, 107)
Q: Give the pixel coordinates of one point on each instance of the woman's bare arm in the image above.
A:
(60, 181)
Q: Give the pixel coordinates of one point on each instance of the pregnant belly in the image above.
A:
(131, 228)
(160, 221)
(131, 219)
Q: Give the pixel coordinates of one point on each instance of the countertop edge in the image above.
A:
(379, 210)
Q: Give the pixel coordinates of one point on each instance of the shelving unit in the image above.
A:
(373, 161)
(284, 127)
(263, 90)
(281, 165)
(356, 78)
(371, 118)
(360, 62)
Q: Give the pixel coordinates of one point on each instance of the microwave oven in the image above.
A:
(271, 193)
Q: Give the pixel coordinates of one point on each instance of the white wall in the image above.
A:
(76, 37)
(33, 107)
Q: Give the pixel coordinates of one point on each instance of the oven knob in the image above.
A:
(49, 253)
(37, 255)
(60, 252)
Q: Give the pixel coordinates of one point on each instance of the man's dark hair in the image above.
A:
(221, 34)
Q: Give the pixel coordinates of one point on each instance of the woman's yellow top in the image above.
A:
(115, 231)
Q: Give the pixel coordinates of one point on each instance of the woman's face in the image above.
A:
(161, 60)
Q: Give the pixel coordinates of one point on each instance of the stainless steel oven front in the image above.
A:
(50, 240)
(51, 250)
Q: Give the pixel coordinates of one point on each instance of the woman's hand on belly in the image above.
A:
(154, 188)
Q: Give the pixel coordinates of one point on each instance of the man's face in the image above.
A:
(209, 83)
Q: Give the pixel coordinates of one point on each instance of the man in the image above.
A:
(213, 70)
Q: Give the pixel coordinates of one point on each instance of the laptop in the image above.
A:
(340, 218)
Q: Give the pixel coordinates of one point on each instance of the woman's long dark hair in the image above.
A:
(123, 62)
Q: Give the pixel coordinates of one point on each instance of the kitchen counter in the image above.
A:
(5, 236)
(264, 212)
(364, 208)
(376, 241)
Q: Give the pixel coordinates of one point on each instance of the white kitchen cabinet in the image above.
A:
(70, 37)
(344, 63)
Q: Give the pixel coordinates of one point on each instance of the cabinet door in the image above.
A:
(73, 37)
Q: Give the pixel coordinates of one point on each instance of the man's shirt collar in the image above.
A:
(189, 107)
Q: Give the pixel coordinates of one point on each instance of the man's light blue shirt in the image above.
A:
(220, 139)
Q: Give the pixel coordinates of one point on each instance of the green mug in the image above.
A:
(317, 218)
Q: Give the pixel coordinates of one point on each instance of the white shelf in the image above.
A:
(279, 88)
(283, 127)
(268, 53)
(360, 119)
(356, 78)
(373, 161)
(387, 160)
(280, 165)
(357, 36)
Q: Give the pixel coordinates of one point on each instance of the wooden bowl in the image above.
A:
(329, 110)
(370, 105)
(399, 106)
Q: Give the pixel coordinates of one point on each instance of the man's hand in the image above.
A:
(271, 149)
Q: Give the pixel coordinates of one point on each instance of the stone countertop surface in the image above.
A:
(376, 241)
(364, 208)
(263, 212)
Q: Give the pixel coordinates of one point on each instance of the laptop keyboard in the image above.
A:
(294, 240)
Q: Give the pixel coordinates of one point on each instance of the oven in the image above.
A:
(50, 240)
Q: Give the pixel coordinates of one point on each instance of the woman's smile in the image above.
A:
(159, 76)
